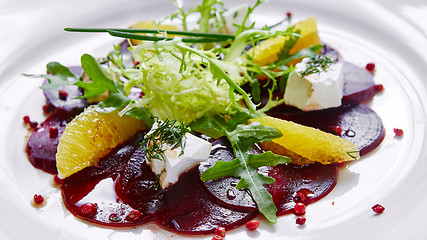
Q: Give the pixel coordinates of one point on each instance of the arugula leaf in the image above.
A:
(141, 113)
(218, 126)
(58, 76)
(245, 165)
(113, 102)
(100, 81)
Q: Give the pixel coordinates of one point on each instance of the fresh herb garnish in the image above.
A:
(318, 63)
(168, 134)
(242, 138)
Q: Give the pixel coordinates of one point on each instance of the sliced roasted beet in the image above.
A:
(359, 123)
(359, 84)
(305, 184)
(187, 208)
(42, 144)
(93, 188)
(137, 184)
(224, 189)
(65, 97)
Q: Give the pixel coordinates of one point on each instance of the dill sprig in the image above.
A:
(168, 132)
(317, 64)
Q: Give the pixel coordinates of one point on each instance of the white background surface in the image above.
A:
(392, 34)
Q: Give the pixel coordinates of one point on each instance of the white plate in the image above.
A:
(391, 34)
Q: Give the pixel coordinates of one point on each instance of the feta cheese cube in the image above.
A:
(315, 91)
(174, 163)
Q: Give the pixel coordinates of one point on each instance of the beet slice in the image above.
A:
(313, 181)
(187, 208)
(41, 146)
(305, 184)
(359, 84)
(65, 97)
(359, 123)
(96, 185)
(137, 184)
(224, 189)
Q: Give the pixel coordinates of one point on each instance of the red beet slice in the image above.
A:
(305, 184)
(359, 84)
(359, 123)
(65, 97)
(137, 184)
(95, 185)
(187, 208)
(224, 189)
(315, 181)
(41, 146)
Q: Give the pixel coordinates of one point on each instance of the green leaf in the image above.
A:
(141, 113)
(100, 81)
(245, 165)
(267, 159)
(218, 126)
(247, 135)
(58, 76)
(113, 102)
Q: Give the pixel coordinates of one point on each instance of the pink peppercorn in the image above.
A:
(299, 209)
(252, 225)
(301, 220)
(370, 67)
(398, 132)
(26, 119)
(220, 231)
(378, 209)
(38, 199)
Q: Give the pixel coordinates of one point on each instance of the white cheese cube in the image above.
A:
(174, 163)
(315, 91)
(233, 16)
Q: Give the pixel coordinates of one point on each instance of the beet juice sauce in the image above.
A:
(121, 190)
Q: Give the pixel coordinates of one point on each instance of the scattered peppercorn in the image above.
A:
(370, 67)
(26, 119)
(89, 209)
(337, 130)
(398, 132)
(379, 87)
(38, 199)
(252, 225)
(299, 209)
(33, 124)
(57, 180)
(378, 209)
(301, 220)
(220, 231)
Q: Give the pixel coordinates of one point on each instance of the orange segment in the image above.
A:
(90, 136)
(267, 51)
(305, 145)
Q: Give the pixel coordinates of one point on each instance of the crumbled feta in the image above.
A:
(315, 91)
(174, 163)
(233, 16)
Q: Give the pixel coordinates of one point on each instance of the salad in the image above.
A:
(203, 128)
